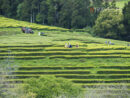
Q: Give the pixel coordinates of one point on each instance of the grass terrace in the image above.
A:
(92, 64)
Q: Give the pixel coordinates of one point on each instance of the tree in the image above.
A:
(98, 6)
(126, 21)
(24, 10)
(53, 11)
(6, 8)
(52, 87)
(80, 13)
(65, 15)
(43, 12)
(1, 7)
(109, 24)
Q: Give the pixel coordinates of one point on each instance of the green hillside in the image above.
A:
(12, 23)
(93, 63)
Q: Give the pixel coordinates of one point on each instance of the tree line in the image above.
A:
(64, 13)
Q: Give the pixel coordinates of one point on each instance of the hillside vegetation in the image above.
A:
(121, 3)
(93, 64)
(12, 23)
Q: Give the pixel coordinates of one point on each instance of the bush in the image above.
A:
(52, 87)
(109, 24)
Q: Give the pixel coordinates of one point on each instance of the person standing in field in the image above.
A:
(66, 45)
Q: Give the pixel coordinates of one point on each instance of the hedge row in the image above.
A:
(77, 81)
(42, 54)
(53, 72)
(86, 56)
(73, 76)
(53, 67)
(114, 72)
(47, 53)
(71, 67)
(102, 84)
(87, 49)
(22, 57)
(63, 56)
(115, 67)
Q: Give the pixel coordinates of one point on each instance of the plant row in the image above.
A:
(23, 53)
(71, 76)
(78, 81)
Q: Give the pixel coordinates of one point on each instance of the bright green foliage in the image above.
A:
(126, 13)
(110, 24)
(52, 87)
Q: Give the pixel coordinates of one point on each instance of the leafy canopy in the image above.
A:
(109, 24)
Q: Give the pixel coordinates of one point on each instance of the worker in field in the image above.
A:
(27, 30)
(69, 46)
(106, 42)
(77, 45)
(23, 29)
(30, 31)
(66, 45)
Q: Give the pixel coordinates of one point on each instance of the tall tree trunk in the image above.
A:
(31, 17)
(43, 22)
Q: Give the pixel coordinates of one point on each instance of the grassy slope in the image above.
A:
(56, 39)
(7, 22)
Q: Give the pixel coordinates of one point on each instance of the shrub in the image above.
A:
(52, 87)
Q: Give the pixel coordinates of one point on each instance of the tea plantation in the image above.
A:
(94, 63)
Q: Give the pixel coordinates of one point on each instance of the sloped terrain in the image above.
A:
(94, 63)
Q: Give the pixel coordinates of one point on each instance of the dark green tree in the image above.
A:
(98, 7)
(126, 14)
(42, 13)
(6, 8)
(53, 11)
(80, 13)
(65, 15)
(1, 2)
(109, 24)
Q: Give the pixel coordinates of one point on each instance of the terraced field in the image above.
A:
(93, 64)
(86, 76)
